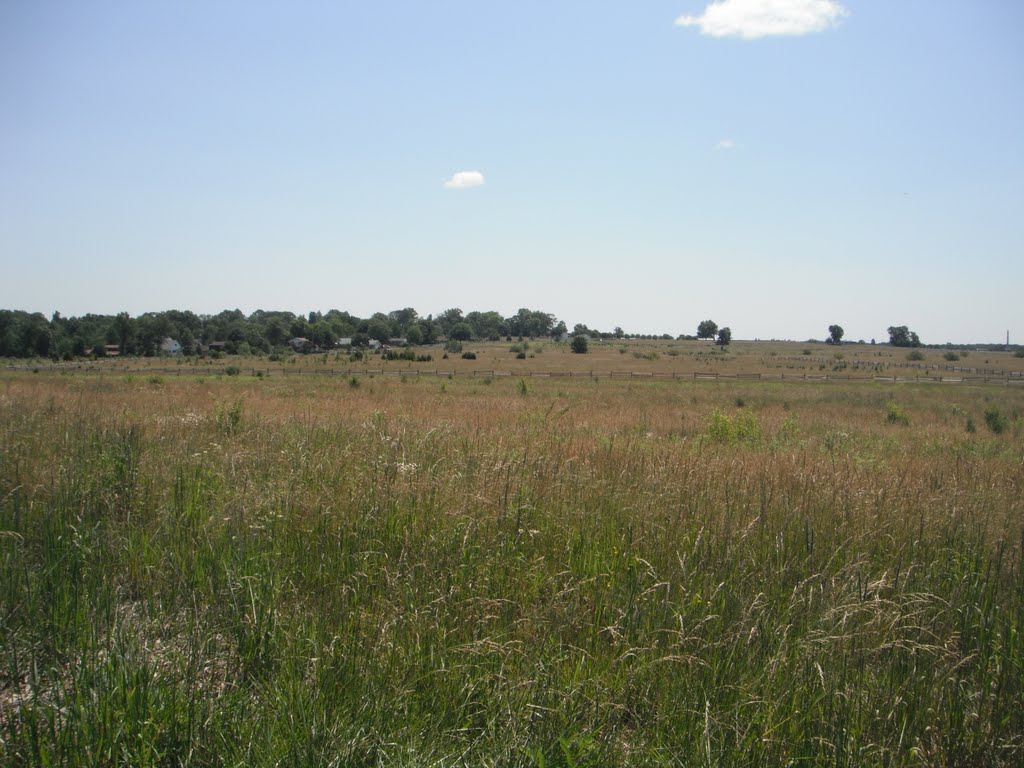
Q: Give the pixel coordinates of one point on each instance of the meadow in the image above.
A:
(661, 358)
(482, 570)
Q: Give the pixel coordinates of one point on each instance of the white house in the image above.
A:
(170, 346)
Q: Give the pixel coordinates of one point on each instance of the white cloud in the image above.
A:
(751, 19)
(726, 144)
(465, 180)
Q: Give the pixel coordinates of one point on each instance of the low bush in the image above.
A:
(996, 420)
(744, 427)
(896, 415)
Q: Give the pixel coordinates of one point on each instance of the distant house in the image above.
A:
(343, 342)
(374, 344)
(217, 346)
(111, 350)
(300, 344)
(398, 342)
(170, 346)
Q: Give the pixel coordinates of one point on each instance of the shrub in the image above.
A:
(424, 358)
(469, 355)
(915, 354)
(520, 356)
(232, 370)
(579, 345)
(228, 416)
(951, 356)
(996, 420)
(453, 345)
(896, 415)
(744, 427)
(1019, 353)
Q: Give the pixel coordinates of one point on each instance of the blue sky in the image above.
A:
(777, 166)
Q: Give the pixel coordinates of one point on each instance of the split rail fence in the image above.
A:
(1005, 378)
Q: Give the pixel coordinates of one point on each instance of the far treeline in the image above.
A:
(24, 334)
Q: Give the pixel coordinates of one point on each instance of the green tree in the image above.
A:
(835, 334)
(724, 336)
(276, 332)
(901, 336)
(124, 333)
(461, 332)
(448, 319)
(707, 329)
(414, 334)
(579, 344)
(379, 329)
(403, 318)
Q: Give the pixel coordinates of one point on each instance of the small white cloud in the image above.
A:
(752, 19)
(465, 180)
(726, 144)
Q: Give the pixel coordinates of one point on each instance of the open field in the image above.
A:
(482, 570)
(607, 358)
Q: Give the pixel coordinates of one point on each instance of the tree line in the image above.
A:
(24, 334)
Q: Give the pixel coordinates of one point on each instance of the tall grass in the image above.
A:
(249, 573)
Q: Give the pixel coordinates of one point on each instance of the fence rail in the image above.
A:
(1004, 378)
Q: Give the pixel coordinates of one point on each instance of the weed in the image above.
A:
(743, 428)
(894, 414)
(996, 420)
(228, 415)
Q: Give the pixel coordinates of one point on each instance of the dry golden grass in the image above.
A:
(682, 358)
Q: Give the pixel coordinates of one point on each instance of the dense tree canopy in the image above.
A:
(707, 329)
(23, 334)
(901, 336)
